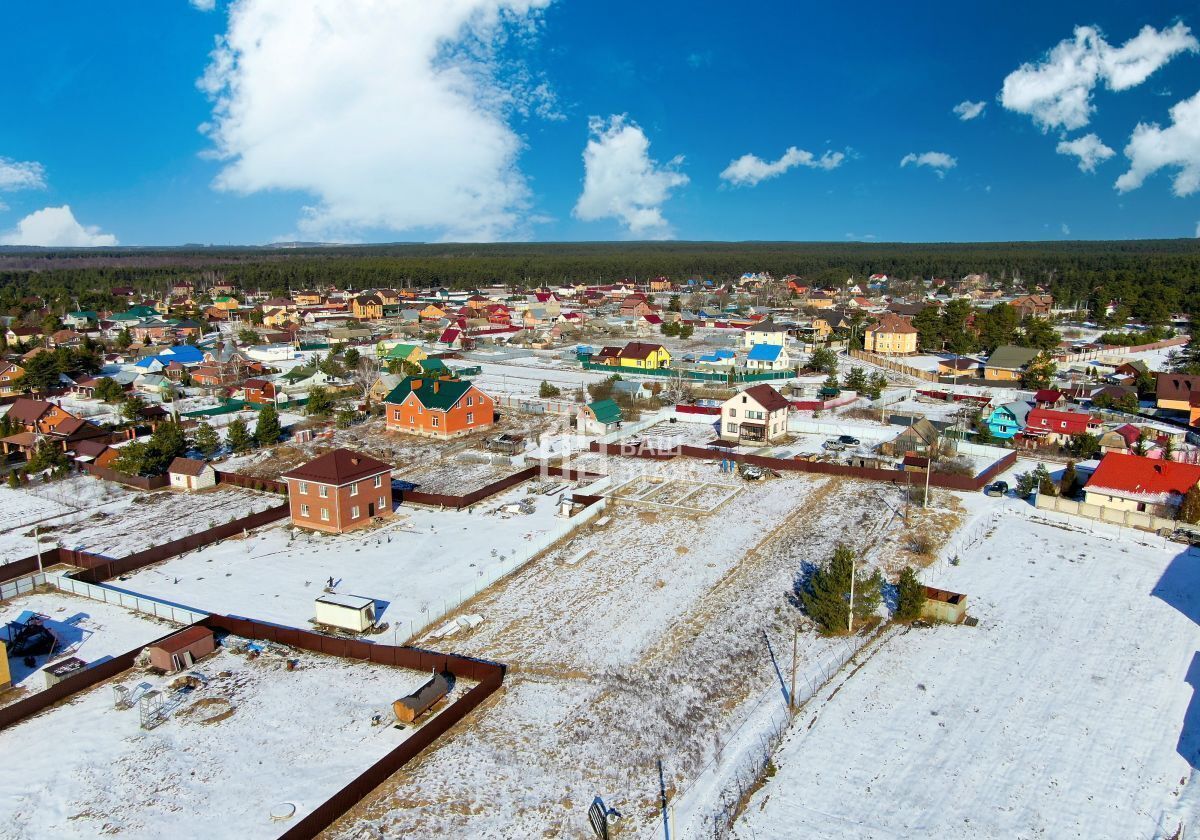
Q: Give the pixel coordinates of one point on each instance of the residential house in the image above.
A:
(891, 335)
(959, 366)
(339, 491)
(598, 418)
(226, 303)
(919, 438)
(452, 338)
(1007, 421)
(82, 320)
(758, 415)
(766, 357)
(401, 353)
(259, 391)
(191, 474)
(1059, 426)
(765, 332)
(23, 335)
(644, 355)
(1040, 306)
(367, 307)
(10, 378)
(1049, 398)
(1007, 362)
(1178, 392)
(1147, 485)
(438, 407)
(1121, 439)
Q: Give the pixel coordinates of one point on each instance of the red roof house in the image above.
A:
(1131, 482)
(1059, 425)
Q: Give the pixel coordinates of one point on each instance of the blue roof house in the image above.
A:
(1007, 420)
(768, 357)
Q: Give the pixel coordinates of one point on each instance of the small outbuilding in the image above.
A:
(349, 612)
(5, 674)
(180, 651)
(59, 671)
(943, 605)
(191, 474)
(408, 709)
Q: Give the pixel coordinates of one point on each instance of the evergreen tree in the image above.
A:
(124, 339)
(548, 391)
(351, 358)
(823, 360)
(238, 436)
(856, 380)
(826, 594)
(267, 429)
(686, 330)
(14, 480)
(910, 597)
(1069, 485)
(876, 386)
(320, 402)
(1189, 509)
(207, 442)
(345, 418)
(108, 390)
(1038, 373)
(831, 383)
(41, 372)
(131, 408)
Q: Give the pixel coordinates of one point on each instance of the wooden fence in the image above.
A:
(142, 482)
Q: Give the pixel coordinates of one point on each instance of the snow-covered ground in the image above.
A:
(53, 507)
(90, 630)
(1068, 712)
(415, 565)
(86, 769)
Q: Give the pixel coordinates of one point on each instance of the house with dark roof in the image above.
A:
(191, 474)
(1178, 392)
(438, 406)
(892, 335)
(338, 491)
(756, 415)
(1007, 362)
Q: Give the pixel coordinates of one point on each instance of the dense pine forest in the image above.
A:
(1140, 274)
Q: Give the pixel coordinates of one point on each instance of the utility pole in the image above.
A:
(928, 470)
(792, 693)
(37, 538)
(850, 612)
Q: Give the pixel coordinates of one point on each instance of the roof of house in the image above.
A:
(341, 466)
(605, 411)
(1148, 479)
(640, 350)
(767, 326)
(1176, 386)
(767, 397)
(25, 410)
(1047, 419)
(1049, 395)
(438, 394)
(893, 324)
(187, 466)
(182, 639)
(1011, 357)
(434, 365)
(764, 353)
(1128, 433)
(1018, 409)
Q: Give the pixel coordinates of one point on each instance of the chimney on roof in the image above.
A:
(436, 384)
(416, 384)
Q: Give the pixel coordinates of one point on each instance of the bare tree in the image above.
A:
(366, 375)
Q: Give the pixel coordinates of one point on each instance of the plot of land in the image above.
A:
(414, 566)
(696, 496)
(254, 737)
(1069, 711)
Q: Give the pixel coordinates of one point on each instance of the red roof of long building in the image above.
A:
(1150, 479)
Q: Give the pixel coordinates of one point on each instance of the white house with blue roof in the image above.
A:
(768, 357)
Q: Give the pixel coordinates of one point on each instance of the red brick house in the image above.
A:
(442, 408)
(258, 391)
(339, 491)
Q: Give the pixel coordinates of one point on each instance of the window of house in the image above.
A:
(324, 514)
(354, 512)
(436, 422)
(731, 428)
(733, 412)
(304, 488)
(470, 401)
(354, 489)
(382, 503)
(304, 510)
(378, 481)
(324, 492)
(470, 418)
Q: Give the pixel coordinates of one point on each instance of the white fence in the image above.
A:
(99, 592)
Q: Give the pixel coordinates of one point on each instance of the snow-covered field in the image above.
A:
(90, 630)
(415, 565)
(1068, 712)
(53, 507)
(86, 769)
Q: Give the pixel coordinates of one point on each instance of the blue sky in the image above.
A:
(378, 120)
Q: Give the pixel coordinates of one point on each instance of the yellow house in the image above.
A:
(401, 352)
(366, 307)
(639, 354)
(226, 303)
(432, 312)
(307, 298)
(10, 379)
(5, 676)
(893, 335)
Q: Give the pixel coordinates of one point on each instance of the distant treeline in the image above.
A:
(1141, 275)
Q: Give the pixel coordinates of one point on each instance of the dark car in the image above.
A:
(999, 488)
(848, 440)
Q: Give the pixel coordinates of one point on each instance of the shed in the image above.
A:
(943, 605)
(408, 709)
(349, 612)
(180, 651)
(5, 674)
(191, 474)
(59, 671)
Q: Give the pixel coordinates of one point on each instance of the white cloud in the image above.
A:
(1178, 145)
(1089, 149)
(56, 227)
(21, 175)
(748, 170)
(1066, 229)
(204, 5)
(1057, 92)
(968, 110)
(1198, 230)
(392, 114)
(621, 180)
(939, 162)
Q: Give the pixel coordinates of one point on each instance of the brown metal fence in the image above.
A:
(936, 479)
(475, 496)
(251, 483)
(142, 482)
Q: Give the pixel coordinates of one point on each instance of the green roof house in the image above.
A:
(599, 418)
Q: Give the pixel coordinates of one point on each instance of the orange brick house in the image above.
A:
(438, 407)
(338, 491)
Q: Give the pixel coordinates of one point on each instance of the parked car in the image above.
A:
(998, 488)
(833, 445)
(848, 440)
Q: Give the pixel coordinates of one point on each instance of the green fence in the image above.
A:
(699, 375)
(230, 406)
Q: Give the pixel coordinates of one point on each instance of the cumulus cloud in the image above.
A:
(21, 175)
(939, 162)
(56, 227)
(1057, 92)
(748, 170)
(204, 5)
(390, 115)
(1089, 149)
(621, 181)
(1152, 148)
(968, 110)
